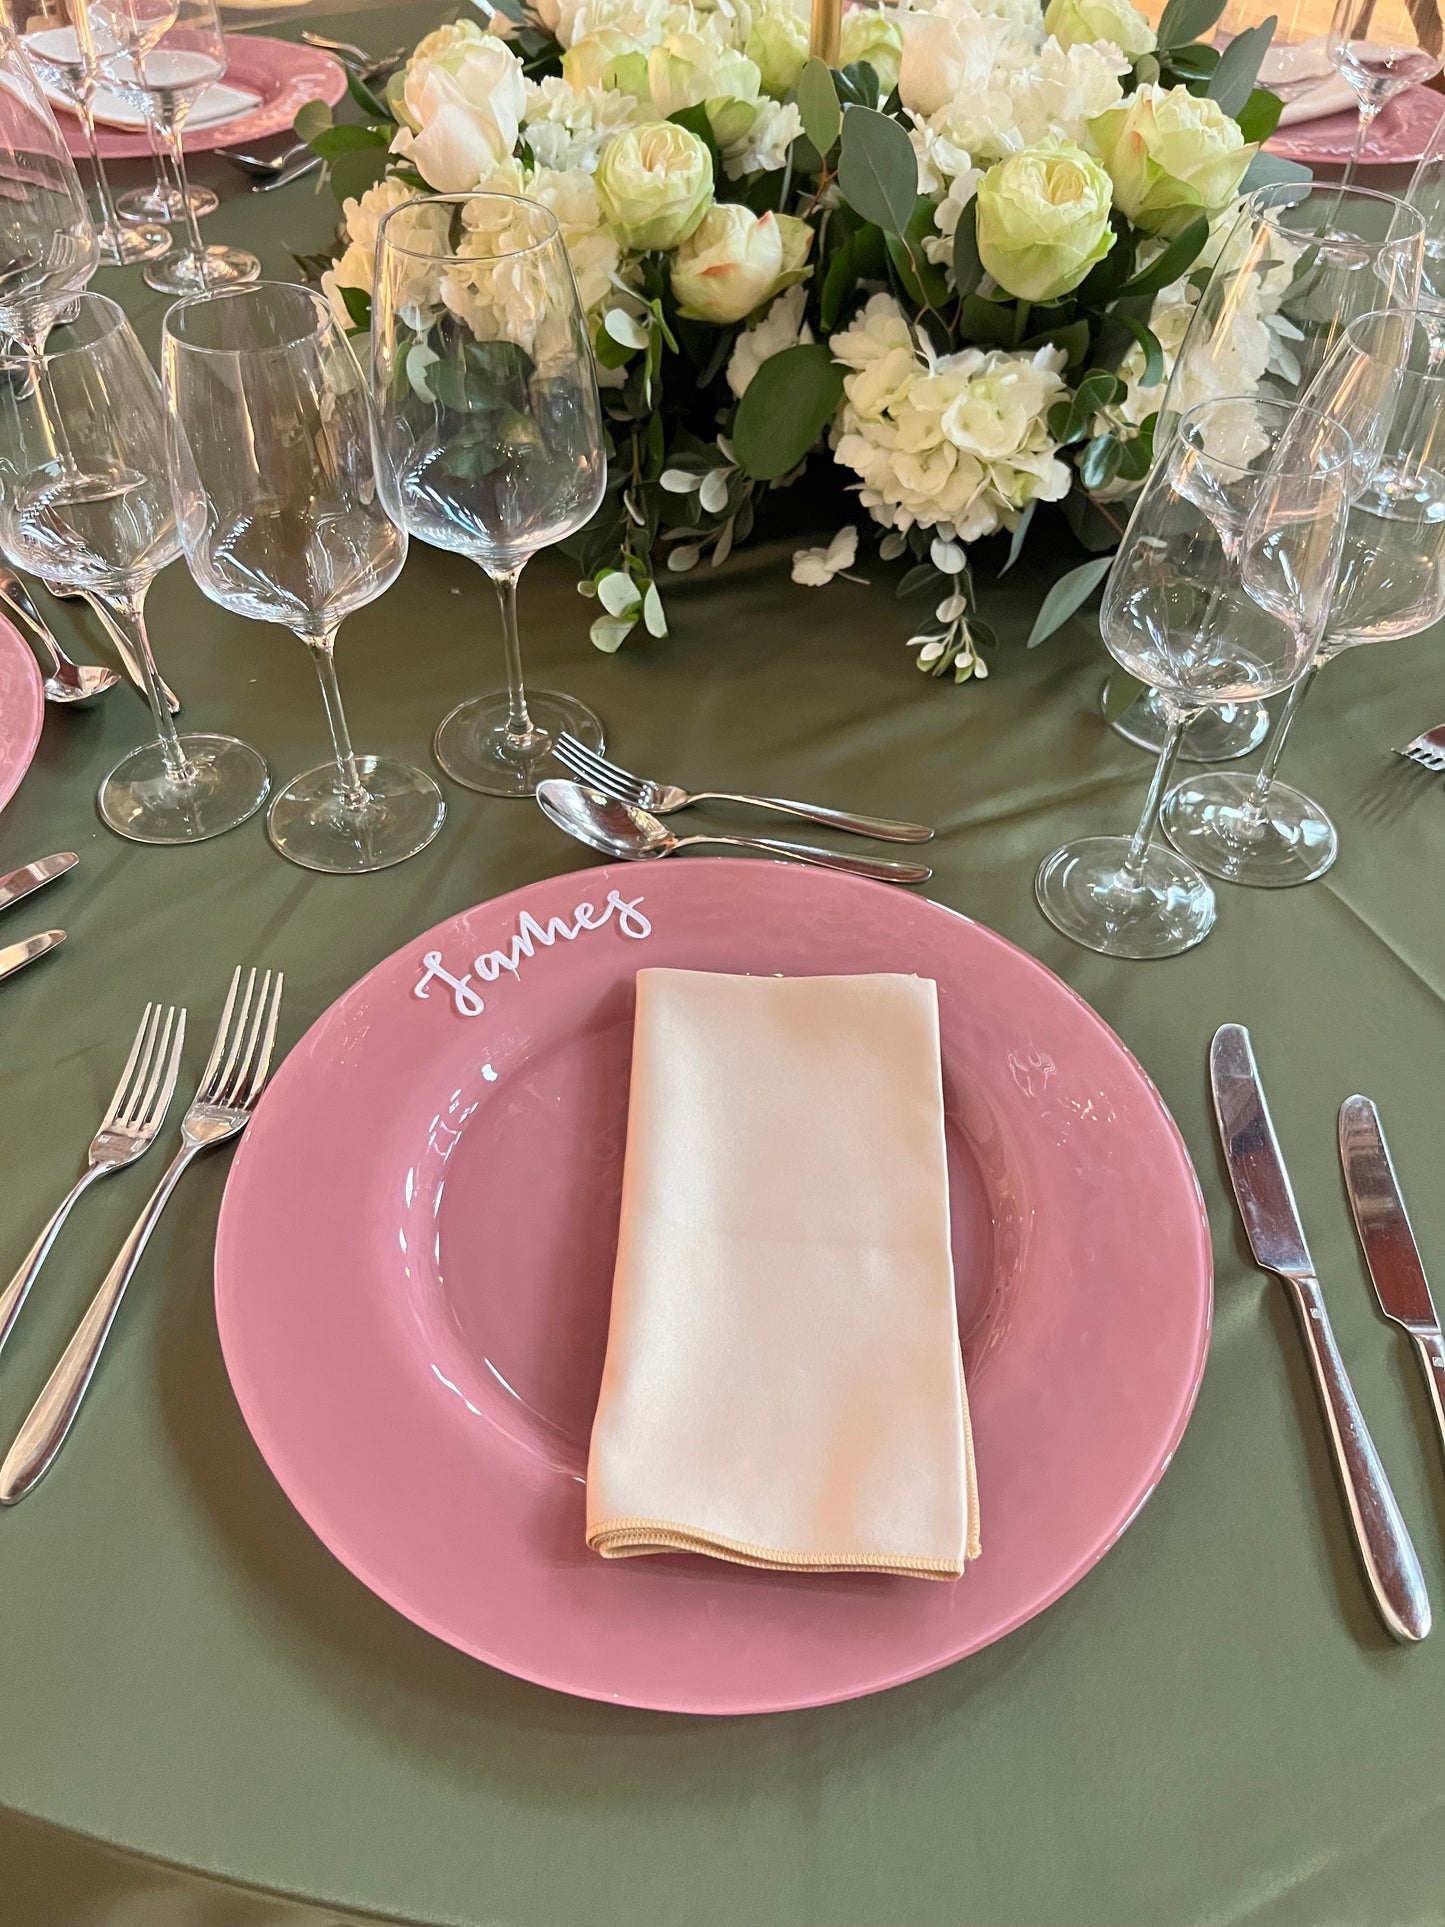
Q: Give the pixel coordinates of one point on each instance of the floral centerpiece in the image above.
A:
(958, 266)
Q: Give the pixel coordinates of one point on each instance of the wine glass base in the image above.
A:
(1205, 819)
(142, 801)
(475, 748)
(310, 822)
(1079, 890)
(157, 203)
(183, 274)
(1213, 736)
(129, 242)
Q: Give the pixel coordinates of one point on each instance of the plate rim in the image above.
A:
(14, 776)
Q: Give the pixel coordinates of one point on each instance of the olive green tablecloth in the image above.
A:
(197, 1701)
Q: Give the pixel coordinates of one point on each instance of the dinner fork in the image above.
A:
(1427, 749)
(132, 1118)
(661, 799)
(221, 1108)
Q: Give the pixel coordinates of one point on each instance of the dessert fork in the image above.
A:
(1427, 749)
(132, 1118)
(661, 799)
(221, 1108)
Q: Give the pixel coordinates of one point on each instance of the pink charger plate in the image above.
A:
(1399, 136)
(284, 74)
(22, 709)
(414, 1263)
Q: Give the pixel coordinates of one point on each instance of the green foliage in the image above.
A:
(1185, 20)
(967, 267)
(1232, 82)
(877, 169)
(1068, 595)
(789, 402)
(819, 106)
(1259, 115)
(1180, 255)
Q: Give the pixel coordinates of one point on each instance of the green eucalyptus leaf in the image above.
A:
(838, 283)
(1259, 115)
(1193, 63)
(1015, 547)
(1232, 82)
(922, 278)
(332, 142)
(312, 119)
(967, 267)
(920, 576)
(1100, 463)
(1153, 353)
(1185, 20)
(350, 175)
(877, 169)
(818, 104)
(988, 321)
(1265, 169)
(1180, 255)
(370, 104)
(1068, 594)
(788, 404)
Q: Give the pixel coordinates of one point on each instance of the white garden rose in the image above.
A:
(735, 260)
(461, 111)
(686, 70)
(654, 184)
(1171, 155)
(871, 34)
(781, 327)
(567, 127)
(1073, 22)
(1043, 220)
(777, 44)
(609, 60)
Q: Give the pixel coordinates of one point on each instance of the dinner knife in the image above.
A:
(30, 876)
(1390, 1249)
(15, 956)
(1276, 1236)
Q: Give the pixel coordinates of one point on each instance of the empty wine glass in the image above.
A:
(1381, 47)
(163, 200)
(65, 64)
(161, 55)
(48, 247)
(1204, 620)
(84, 505)
(271, 473)
(1385, 383)
(1426, 194)
(490, 434)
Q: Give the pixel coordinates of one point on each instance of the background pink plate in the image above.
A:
(1399, 135)
(284, 74)
(415, 1253)
(22, 709)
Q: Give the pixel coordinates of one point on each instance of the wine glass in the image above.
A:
(163, 200)
(269, 436)
(1385, 383)
(84, 505)
(161, 55)
(1381, 47)
(65, 65)
(489, 434)
(1205, 619)
(1426, 194)
(48, 247)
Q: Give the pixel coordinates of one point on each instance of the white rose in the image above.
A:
(607, 59)
(736, 260)
(1116, 21)
(461, 113)
(685, 70)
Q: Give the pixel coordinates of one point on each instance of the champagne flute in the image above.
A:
(85, 506)
(65, 65)
(269, 439)
(1204, 620)
(48, 247)
(489, 434)
(1381, 47)
(161, 55)
(1385, 383)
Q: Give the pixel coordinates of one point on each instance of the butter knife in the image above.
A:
(15, 956)
(1276, 1236)
(30, 876)
(1390, 1249)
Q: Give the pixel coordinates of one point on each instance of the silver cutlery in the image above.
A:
(30, 876)
(67, 681)
(132, 1118)
(1427, 749)
(622, 829)
(119, 641)
(230, 1084)
(297, 171)
(1276, 1236)
(661, 799)
(366, 66)
(1389, 1244)
(15, 956)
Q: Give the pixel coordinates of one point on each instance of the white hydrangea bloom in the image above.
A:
(957, 443)
(591, 246)
(781, 327)
(361, 219)
(764, 147)
(567, 127)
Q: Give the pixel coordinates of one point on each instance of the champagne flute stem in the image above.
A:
(130, 611)
(520, 727)
(171, 131)
(1360, 143)
(323, 655)
(1131, 871)
(1258, 803)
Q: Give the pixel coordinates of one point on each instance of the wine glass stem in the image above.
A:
(85, 114)
(323, 655)
(1131, 871)
(171, 133)
(1361, 141)
(130, 610)
(1258, 803)
(520, 727)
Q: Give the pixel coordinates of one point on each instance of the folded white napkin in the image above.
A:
(1302, 74)
(783, 1384)
(218, 102)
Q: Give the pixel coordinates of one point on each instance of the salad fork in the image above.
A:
(1427, 749)
(221, 1108)
(661, 799)
(132, 1118)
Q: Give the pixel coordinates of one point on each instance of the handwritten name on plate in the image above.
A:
(469, 1001)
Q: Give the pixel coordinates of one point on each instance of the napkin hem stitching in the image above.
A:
(618, 1538)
